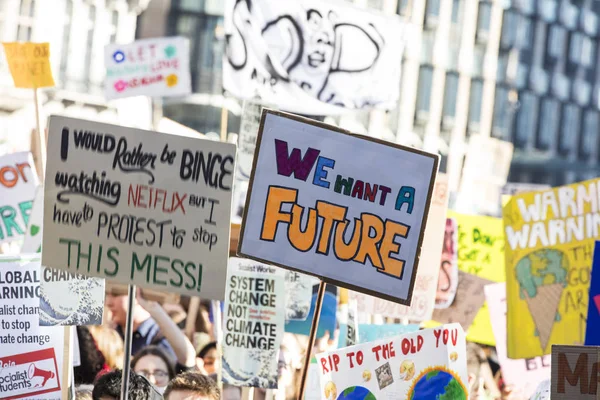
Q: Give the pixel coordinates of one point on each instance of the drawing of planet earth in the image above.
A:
(356, 393)
(439, 384)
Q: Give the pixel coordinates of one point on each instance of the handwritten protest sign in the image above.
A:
(298, 295)
(372, 332)
(138, 207)
(29, 64)
(65, 298)
(574, 372)
(429, 364)
(157, 67)
(31, 357)
(524, 375)
(592, 332)
(348, 209)
(448, 276)
(18, 182)
(549, 243)
(427, 276)
(253, 323)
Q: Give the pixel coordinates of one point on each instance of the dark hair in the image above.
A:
(208, 347)
(157, 352)
(92, 359)
(109, 385)
(196, 383)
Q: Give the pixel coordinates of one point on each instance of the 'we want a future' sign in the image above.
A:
(138, 207)
(348, 209)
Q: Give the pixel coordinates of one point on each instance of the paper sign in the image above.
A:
(18, 183)
(427, 276)
(327, 319)
(158, 67)
(348, 209)
(298, 295)
(575, 372)
(448, 276)
(138, 207)
(65, 298)
(352, 332)
(253, 323)
(592, 332)
(31, 357)
(249, 125)
(512, 188)
(549, 244)
(372, 332)
(523, 376)
(429, 364)
(29, 64)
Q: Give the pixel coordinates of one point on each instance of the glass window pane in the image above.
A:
(500, 111)
(549, 114)
(484, 17)
(569, 128)
(427, 40)
(525, 119)
(589, 133)
(457, 11)
(475, 101)
(191, 5)
(575, 45)
(424, 88)
(433, 7)
(450, 89)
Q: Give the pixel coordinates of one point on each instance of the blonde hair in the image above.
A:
(110, 343)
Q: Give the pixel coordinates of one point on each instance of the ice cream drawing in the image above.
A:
(542, 277)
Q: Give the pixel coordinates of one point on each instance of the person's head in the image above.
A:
(110, 344)
(210, 359)
(108, 387)
(84, 392)
(192, 386)
(92, 360)
(154, 364)
(118, 308)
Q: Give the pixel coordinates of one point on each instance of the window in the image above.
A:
(549, 114)
(502, 66)
(457, 11)
(475, 103)
(483, 19)
(89, 45)
(66, 40)
(556, 41)
(501, 109)
(525, 119)
(569, 128)
(424, 90)
(427, 41)
(509, 29)
(575, 47)
(433, 8)
(524, 37)
(114, 18)
(450, 89)
(587, 52)
(26, 14)
(589, 133)
(478, 58)
(404, 7)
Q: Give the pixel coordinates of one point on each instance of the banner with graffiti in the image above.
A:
(429, 364)
(312, 57)
(549, 246)
(349, 209)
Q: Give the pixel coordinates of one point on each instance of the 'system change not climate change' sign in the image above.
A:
(348, 209)
(137, 206)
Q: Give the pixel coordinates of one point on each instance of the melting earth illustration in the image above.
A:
(437, 383)
(356, 393)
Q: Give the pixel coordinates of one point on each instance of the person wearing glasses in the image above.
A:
(154, 364)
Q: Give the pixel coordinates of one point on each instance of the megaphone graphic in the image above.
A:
(34, 371)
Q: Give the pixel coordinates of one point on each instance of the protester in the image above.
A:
(92, 360)
(108, 387)
(110, 344)
(152, 326)
(84, 392)
(208, 359)
(192, 386)
(153, 363)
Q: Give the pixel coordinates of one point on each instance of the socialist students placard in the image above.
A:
(348, 209)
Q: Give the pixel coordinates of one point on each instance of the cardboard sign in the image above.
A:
(423, 296)
(18, 183)
(523, 376)
(29, 64)
(348, 209)
(31, 357)
(138, 207)
(158, 67)
(574, 372)
(65, 298)
(592, 332)
(253, 323)
(549, 244)
(298, 295)
(429, 364)
(448, 276)
(372, 332)
(327, 319)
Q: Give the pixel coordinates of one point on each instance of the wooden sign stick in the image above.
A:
(312, 338)
(41, 135)
(67, 370)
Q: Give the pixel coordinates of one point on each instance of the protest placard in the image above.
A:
(574, 372)
(512, 188)
(253, 323)
(352, 332)
(29, 64)
(522, 376)
(65, 298)
(298, 295)
(18, 183)
(429, 364)
(448, 276)
(357, 221)
(157, 67)
(423, 297)
(327, 318)
(138, 207)
(31, 356)
(372, 332)
(549, 244)
(592, 330)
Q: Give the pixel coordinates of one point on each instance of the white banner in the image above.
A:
(429, 364)
(138, 207)
(346, 208)
(18, 183)
(31, 356)
(311, 56)
(157, 67)
(253, 323)
(65, 298)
